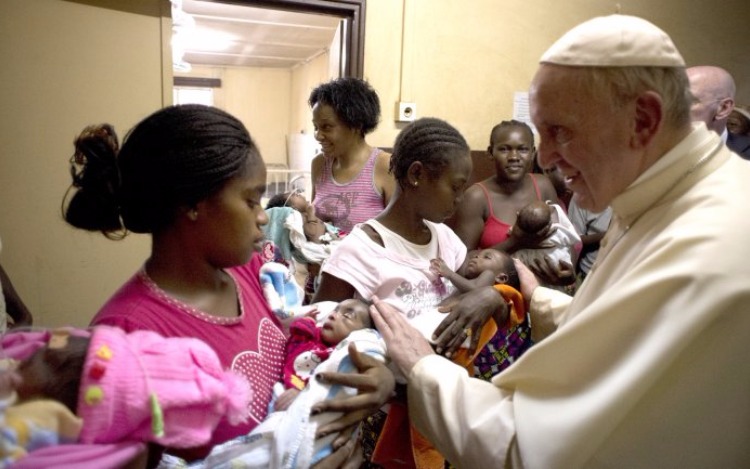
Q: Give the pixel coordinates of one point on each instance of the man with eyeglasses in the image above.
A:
(713, 100)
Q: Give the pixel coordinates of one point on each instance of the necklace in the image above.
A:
(697, 165)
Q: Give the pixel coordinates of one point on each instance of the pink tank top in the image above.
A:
(345, 205)
(495, 230)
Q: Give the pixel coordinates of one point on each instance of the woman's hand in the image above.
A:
(553, 273)
(467, 314)
(520, 239)
(375, 383)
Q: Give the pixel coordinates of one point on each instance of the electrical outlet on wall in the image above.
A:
(407, 112)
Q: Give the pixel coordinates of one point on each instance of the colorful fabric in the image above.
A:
(251, 344)
(346, 205)
(32, 425)
(283, 294)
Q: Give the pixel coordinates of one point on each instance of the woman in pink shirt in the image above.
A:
(192, 177)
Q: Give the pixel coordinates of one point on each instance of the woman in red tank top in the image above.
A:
(487, 212)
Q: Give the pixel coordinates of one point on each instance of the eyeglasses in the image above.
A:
(507, 150)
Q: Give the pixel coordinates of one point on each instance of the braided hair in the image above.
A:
(431, 141)
(176, 157)
(353, 100)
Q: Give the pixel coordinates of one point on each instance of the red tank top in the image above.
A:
(495, 230)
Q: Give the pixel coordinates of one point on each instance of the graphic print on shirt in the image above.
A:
(337, 207)
(257, 367)
(422, 296)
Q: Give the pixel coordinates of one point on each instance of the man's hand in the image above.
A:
(406, 345)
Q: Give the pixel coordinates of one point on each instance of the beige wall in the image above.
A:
(68, 64)
(462, 61)
(260, 98)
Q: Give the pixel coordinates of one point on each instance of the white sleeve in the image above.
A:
(469, 420)
(546, 310)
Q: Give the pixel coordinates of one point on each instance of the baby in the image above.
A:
(548, 223)
(287, 437)
(107, 386)
(315, 229)
(484, 268)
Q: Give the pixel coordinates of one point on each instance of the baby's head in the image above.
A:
(498, 262)
(350, 315)
(134, 386)
(54, 371)
(534, 217)
(293, 199)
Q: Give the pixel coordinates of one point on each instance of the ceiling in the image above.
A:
(225, 34)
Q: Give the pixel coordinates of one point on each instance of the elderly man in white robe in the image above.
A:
(647, 367)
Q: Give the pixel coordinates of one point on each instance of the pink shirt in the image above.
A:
(345, 205)
(251, 344)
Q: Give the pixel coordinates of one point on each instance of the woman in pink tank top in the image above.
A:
(487, 212)
(351, 182)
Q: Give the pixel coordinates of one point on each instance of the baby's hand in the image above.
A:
(313, 313)
(438, 267)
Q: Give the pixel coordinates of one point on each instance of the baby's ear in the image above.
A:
(502, 277)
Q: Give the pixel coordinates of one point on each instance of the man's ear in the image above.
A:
(725, 108)
(649, 117)
(502, 277)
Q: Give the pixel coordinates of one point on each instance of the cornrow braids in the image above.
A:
(176, 157)
(353, 100)
(509, 124)
(431, 141)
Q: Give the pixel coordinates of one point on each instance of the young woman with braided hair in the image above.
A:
(389, 256)
(192, 177)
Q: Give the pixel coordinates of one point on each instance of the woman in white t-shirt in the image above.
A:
(389, 256)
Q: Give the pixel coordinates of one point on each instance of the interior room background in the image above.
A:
(68, 64)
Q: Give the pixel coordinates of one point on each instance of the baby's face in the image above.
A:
(312, 226)
(486, 259)
(349, 315)
(298, 202)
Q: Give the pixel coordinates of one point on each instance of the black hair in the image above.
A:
(174, 158)
(66, 365)
(512, 123)
(431, 141)
(278, 200)
(353, 100)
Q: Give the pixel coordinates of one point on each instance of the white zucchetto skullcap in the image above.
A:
(614, 41)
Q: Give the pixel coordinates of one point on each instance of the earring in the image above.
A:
(416, 183)
(193, 214)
